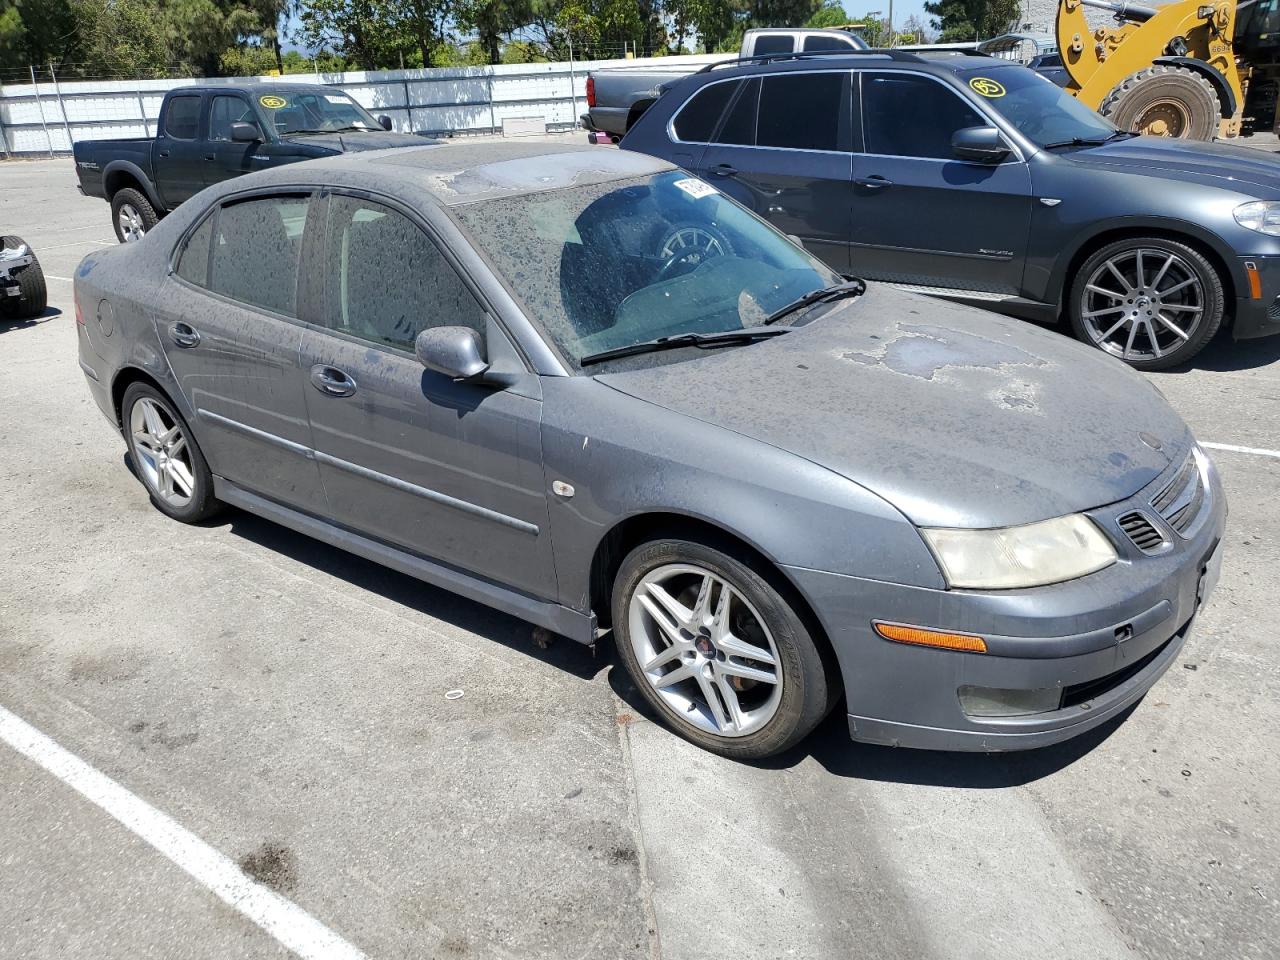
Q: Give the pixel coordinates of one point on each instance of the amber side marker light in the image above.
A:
(930, 638)
(1255, 279)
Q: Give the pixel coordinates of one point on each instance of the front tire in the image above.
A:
(717, 651)
(1151, 302)
(165, 455)
(1164, 101)
(132, 215)
(33, 297)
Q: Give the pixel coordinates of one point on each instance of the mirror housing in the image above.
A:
(385, 122)
(245, 133)
(980, 144)
(457, 352)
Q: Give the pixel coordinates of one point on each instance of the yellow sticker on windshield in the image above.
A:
(986, 87)
(272, 102)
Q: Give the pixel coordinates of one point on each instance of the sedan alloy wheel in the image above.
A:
(164, 456)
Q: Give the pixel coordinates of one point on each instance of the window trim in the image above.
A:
(715, 127)
(978, 108)
(199, 98)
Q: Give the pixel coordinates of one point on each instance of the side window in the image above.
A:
(773, 43)
(182, 117)
(223, 112)
(385, 280)
(740, 125)
(697, 119)
(255, 252)
(800, 111)
(912, 116)
(821, 43)
(193, 262)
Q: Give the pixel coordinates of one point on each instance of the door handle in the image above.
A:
(331, 381)
(873, 182)
(210, 156)
(183, 334)
(164, 153)
(724, 170)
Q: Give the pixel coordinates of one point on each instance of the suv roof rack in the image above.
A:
(886, 53)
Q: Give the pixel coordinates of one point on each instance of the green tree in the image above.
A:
(830, 14)
(960, 20)
(493, 21)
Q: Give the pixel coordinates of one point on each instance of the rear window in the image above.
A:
(193, 263)
(820, 42)
(800, 111)
(774, 43)
(697, 119)
(182, 117)
(739, 127)
(256, 249)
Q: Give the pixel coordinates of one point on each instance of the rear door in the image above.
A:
(451, 471)
(783, 151)
(226, 158)
(230, 332)
(919, 214)
(179, 152)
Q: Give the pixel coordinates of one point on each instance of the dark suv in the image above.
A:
(979, 180)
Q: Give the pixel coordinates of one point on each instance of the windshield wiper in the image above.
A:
(675, 342)
(1090, 141)
(296, 133)
(852, 288)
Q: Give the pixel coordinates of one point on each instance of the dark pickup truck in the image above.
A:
(210, 134)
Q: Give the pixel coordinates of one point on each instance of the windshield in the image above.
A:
(325, 110)
(613, 264)
(1038, 107)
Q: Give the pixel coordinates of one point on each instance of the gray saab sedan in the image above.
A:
(520, 372)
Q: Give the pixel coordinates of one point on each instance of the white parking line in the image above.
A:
(1256, 451)
(284, 920)
(50, 276)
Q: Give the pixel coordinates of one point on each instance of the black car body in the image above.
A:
(207, 134)
(980, 180)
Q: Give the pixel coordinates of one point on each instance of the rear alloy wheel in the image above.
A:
(132, 215)
(1164, 101)
(717, 650)
(1154, 303)
(165, 455)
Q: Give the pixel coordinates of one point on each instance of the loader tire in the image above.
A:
(1164, 101)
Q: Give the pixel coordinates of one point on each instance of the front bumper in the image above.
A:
(1261, 317)
(1103, 639)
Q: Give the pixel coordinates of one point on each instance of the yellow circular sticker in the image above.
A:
(272, 102)
(987, 88)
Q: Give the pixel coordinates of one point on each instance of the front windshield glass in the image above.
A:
(1037, 106)
(323, 111)
(612, 264)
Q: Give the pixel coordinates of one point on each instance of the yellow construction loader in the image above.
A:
(1184, 69)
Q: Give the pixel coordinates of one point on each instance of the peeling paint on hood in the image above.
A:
(956, 416)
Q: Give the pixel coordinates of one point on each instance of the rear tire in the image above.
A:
(132, 215)
(165, 454)
(1164, 101)
(33, 297)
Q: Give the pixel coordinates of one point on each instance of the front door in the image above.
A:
(782, 151)
(920, 215)
(228, 327)
(178, 153)
(225, 157)
(450, 471)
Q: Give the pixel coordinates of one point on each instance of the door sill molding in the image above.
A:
(553, 616)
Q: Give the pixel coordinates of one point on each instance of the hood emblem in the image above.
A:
(1152, 442)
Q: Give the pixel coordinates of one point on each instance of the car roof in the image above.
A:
(232, 86)
(456, 173)
(941, 61)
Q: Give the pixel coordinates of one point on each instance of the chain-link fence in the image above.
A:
(42, 113)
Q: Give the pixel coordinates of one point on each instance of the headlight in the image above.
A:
(1027, 556)
(1260, 215)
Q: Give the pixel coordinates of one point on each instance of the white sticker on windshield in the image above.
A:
(333, 99)
(695, 188)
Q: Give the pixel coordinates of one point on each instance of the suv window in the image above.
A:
(255, 252)
(800, 111)
(697, 119)
(182, 117)
(912, 116)
(193, 262)
(224, 111)
(385, 280)
(773, 43)
(740, 125)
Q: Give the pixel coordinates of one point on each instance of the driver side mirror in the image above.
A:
(245, 133)
(979, 144)
(457, 352)
(385, 122)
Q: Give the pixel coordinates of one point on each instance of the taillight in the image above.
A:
(79, 315)
(591, 91)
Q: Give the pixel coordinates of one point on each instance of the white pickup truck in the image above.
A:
(617, 96)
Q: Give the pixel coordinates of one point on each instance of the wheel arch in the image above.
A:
(127, 377)
(1227, 104)
(638, 110)
(121, 174)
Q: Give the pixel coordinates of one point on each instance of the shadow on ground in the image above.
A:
(9, 324)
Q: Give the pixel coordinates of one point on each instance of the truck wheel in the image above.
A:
(132, 215)
(1164, 101)
(32, 296)
(1151, 302)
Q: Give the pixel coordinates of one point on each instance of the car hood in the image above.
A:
(353, 142)
(1221, 164)
(955, 416)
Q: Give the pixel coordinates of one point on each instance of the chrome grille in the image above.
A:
(1142, 532)
(1180, 502)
